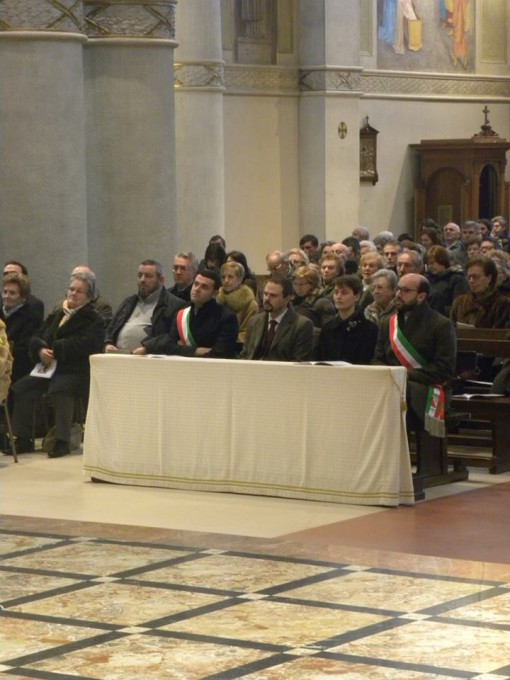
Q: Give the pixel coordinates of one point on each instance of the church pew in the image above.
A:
(489, 426)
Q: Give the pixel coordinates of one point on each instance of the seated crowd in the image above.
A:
(387, 301)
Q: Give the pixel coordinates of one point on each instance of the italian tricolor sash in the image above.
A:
(409, 357)
(183, 327)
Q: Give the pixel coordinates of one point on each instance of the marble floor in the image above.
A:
(115, 582)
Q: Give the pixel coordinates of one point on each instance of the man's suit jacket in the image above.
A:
(293, 340)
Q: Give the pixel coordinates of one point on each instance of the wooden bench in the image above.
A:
(489, 426)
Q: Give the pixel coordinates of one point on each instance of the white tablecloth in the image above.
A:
(278, 429)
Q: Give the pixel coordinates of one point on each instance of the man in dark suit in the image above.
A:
(205, 328)
(423, 341)
(143, 317)
(278, 333)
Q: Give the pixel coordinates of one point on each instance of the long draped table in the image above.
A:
(278, 429)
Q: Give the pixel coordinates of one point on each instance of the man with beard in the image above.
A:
(204, 329)
(143, 317)
(278, 333)
(424, 342)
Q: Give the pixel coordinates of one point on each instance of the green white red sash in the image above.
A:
(183, 327)
(409, 357)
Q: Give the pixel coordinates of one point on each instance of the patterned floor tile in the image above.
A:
(279, 623)
(20, 637)
(388, 591)
(117, 603)
(230, 572)
(475, 649)
(147, 657)
(14, 585)
(93, 558)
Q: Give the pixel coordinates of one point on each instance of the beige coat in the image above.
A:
(242, 302)
(5, 363)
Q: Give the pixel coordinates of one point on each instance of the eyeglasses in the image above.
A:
(405, 291)
(179, 268)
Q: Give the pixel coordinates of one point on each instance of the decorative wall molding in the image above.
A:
(262, 80)
(396, 84)
(329, 80)
(130, 19)
(196, 76)
(41, 15)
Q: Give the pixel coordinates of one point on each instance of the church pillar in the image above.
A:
(42, 141)
(199, 124)
(329, 117)
(130, 138)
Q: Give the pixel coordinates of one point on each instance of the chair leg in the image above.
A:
(9, 431)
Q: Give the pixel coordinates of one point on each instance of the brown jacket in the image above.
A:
(490, 310)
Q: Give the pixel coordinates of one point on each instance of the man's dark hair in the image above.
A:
(285, 283)
(153, 263)
(309, 238)
(352, 242)
(494, 242)
(218, 238)
(24, 270)
(213, 275)
(240, 257)
(351, 281)
(430, 223)
(215, 252)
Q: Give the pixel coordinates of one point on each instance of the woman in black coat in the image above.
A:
(64, 342)
(446, 283)
(350, 336)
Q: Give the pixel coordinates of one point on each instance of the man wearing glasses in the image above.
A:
(184, 271)
(424, 342)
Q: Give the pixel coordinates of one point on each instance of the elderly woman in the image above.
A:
(369, 263)
(237, 296)
(446, 283)
(384, 286)
(62, 347)
(484, 306)
(309, 299)
(297, 258)
(21, 321)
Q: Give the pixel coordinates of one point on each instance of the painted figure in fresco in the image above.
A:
(455, 14)
(391, 30)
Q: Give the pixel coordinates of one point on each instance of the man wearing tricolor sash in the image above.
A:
(424, 342)
(205, 328)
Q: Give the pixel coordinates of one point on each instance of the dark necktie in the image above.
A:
(270, 336)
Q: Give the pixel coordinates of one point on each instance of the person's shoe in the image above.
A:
(60, 449)
(22, 446)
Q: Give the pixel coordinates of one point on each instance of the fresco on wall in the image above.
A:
(426, 35)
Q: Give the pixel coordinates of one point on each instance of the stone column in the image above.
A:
(42, 141)
(199, 124)
(330, 118)
(130, 138)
